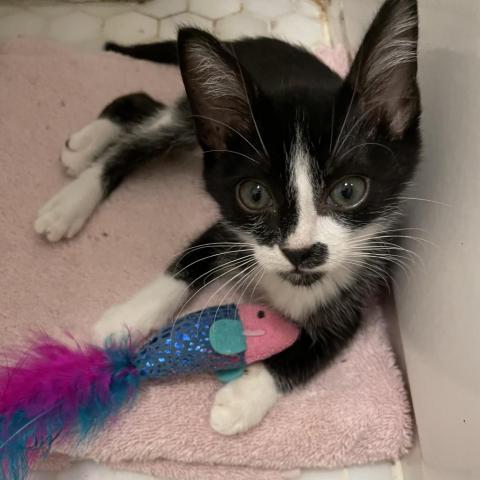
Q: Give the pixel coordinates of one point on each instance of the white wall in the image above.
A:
(439, 308)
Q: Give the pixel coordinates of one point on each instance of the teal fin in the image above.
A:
(226, 337)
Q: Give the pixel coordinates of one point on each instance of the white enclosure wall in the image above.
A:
(439, 307)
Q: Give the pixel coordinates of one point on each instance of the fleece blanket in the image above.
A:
(354, 412)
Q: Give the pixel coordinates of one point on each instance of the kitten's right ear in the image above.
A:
(218, 89)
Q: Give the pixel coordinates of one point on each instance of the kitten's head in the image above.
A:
(310, 173)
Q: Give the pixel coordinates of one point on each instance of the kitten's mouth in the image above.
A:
(301, 278)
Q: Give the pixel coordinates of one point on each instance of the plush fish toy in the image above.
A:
(55, 391)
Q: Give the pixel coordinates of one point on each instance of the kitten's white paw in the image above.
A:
(84, 146)
(129, 319)
(64, 215)
(150, 309)
(242, 404)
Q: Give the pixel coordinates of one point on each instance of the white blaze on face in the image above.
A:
(301, 184)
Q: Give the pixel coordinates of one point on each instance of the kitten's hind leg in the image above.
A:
(83, 147)
(64, 215)
(142, 139)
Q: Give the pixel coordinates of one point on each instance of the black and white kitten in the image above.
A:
(307, 170)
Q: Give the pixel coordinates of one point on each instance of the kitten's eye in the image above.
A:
(349, 192)
(253, 196)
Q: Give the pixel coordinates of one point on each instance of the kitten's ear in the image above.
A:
(217, 88)
(383, 74)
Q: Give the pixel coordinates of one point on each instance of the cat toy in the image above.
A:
(56, 391)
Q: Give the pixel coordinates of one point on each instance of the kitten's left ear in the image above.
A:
(217, 87)
(383, 74)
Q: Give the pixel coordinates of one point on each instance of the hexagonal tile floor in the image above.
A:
(88, 23)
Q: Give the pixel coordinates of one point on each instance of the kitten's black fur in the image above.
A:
(245, 102)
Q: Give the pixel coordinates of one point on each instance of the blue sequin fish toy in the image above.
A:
(56, 391)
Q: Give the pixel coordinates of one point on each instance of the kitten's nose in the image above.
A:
(308, 257)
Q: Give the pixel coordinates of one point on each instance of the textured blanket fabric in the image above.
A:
(355, 412)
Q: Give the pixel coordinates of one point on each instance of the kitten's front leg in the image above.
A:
(155, 305)
(243, 403)
(149, 309)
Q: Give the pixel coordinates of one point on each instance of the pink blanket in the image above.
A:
(355, 412)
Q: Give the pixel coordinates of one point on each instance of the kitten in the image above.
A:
(306, 168)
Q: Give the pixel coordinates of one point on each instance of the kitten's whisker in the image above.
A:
(217, 267)
(257, 280)
(376, 270)
(238, 263)
(243, 275)
(384, 256)
(436, 202)
(405, 268)
(387, 233)
(217, 244)
(252, 276)
(243, 267)
(262, 273)
(211, 256)
(387, 248)
(207, 301)
(235, 263)
(410, 237)
(228, 246)
(243, 278)
(383, 250)
(390, 237)
(373, 247)
(399, 229)
(399, 260)
(221, 287)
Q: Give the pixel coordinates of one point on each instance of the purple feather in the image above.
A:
(55, 391)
